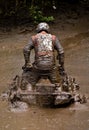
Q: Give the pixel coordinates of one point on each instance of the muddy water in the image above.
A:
(74, 117)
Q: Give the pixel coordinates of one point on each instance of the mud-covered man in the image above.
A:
(44, 45)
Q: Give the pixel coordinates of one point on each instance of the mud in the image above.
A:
(75, 40)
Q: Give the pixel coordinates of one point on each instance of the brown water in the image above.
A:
(74, 117)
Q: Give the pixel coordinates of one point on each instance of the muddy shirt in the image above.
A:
(44, 46)
(44, 51)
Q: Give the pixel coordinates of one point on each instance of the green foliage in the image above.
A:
(48, 19)
(37, 15)
(33, 9)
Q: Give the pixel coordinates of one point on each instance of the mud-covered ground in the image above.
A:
(74, 36)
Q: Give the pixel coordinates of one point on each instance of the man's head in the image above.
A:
(42, 27)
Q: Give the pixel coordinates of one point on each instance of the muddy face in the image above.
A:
(76, 116)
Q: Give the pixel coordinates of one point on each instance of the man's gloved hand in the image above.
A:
(27, 66)
(61, 71)
(60, 57)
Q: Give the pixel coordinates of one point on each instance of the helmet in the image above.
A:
(42, 27)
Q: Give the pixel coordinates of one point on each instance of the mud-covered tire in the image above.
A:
(45, 97)
(45, 101)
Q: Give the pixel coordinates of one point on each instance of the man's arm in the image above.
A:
(60, 56)
(26, 51)
(58, 46)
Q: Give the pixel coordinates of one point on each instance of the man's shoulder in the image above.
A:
(53, 37)
(33, 37)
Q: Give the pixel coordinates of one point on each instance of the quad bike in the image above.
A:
(44, 93)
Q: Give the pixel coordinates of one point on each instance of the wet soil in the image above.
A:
(74, 36)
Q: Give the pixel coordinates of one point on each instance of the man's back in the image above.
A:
(44, 51)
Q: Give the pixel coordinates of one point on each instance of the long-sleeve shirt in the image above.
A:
(32, 44)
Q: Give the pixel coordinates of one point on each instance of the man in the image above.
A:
(44, 45)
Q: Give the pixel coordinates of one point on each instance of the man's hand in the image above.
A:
(27, 66)
(62, 71)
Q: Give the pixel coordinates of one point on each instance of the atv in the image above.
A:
(44, 93)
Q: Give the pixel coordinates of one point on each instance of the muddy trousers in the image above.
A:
(34, 75)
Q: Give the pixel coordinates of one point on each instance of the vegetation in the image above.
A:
(32, 10)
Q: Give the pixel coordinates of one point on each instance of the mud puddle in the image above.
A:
(75, 117)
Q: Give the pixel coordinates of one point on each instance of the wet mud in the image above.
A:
(75, 40)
